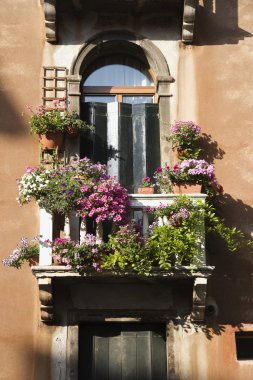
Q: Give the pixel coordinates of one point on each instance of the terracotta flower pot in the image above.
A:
(145, 190)
(51, 140)
(34, 261)
(57, 260)
(186, 188)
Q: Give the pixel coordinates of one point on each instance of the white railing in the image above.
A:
(138, 203)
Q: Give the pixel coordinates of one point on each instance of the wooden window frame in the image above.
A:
(120, 91)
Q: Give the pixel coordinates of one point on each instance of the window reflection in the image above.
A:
(137, 99)
(118, 71)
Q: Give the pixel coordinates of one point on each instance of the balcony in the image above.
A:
(46, 273)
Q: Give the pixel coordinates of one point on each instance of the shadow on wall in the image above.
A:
(210, 149)
(12, 123)
(217, 23)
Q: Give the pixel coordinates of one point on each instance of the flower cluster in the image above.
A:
(78, 257)
(146, 182)
(59, 189)
(185, 128)
(104, 199)
(33, 184)
(191, 170)
(184, 136)
(177, 218)
(23, 252)
(163, 180)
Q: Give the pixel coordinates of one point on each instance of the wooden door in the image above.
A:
(122, 351)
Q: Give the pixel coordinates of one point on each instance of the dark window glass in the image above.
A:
(244, 345)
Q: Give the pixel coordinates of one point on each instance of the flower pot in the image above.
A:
(186, 188)
(145, 190)
(33, 261)
(71, 131)
(51, 140)
(57, 260)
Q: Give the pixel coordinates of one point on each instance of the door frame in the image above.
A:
(76, 317)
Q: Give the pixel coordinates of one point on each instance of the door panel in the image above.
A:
(117, 351)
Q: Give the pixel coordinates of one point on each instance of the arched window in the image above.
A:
(119, 99)
(119, 78)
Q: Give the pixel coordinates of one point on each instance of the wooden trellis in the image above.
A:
(54, 85)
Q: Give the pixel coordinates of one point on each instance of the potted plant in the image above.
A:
(58, 189)
(188, 177)
(48, 125)
(127, 250)
(78, 257)
(185, 136)
(25, 252)
(51, 124)
(82, 186)
(146, 186)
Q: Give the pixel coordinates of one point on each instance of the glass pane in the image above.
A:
(97, 98)
(118, 71)
(137, 99)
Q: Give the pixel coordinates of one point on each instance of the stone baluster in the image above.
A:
(99, 232)
(83, 230)
(46, 232)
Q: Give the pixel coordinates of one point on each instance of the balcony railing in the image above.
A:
(139, 204)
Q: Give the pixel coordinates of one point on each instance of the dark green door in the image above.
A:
(122, 351)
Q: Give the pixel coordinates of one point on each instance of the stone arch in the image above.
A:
(125, 42)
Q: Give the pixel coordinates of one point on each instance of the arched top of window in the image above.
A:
(118, 70)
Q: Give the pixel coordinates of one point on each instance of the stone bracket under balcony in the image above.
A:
(51, 277)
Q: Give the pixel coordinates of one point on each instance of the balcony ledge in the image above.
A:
(50, 271)
(46, 274)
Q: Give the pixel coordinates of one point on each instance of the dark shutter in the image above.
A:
(130, 141)
(94, 145)
(118, 351)
(126, 146)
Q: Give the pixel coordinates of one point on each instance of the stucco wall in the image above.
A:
(21, 45)
(213, 86)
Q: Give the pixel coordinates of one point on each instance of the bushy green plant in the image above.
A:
(127, 249)
(186, 212)
(71, 119)
(45, 120)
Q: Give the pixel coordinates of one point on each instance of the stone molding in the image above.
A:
(50, 20)
(46, 299)
(50, 13)
(188, 20)
(199, 299)
(46, 274)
